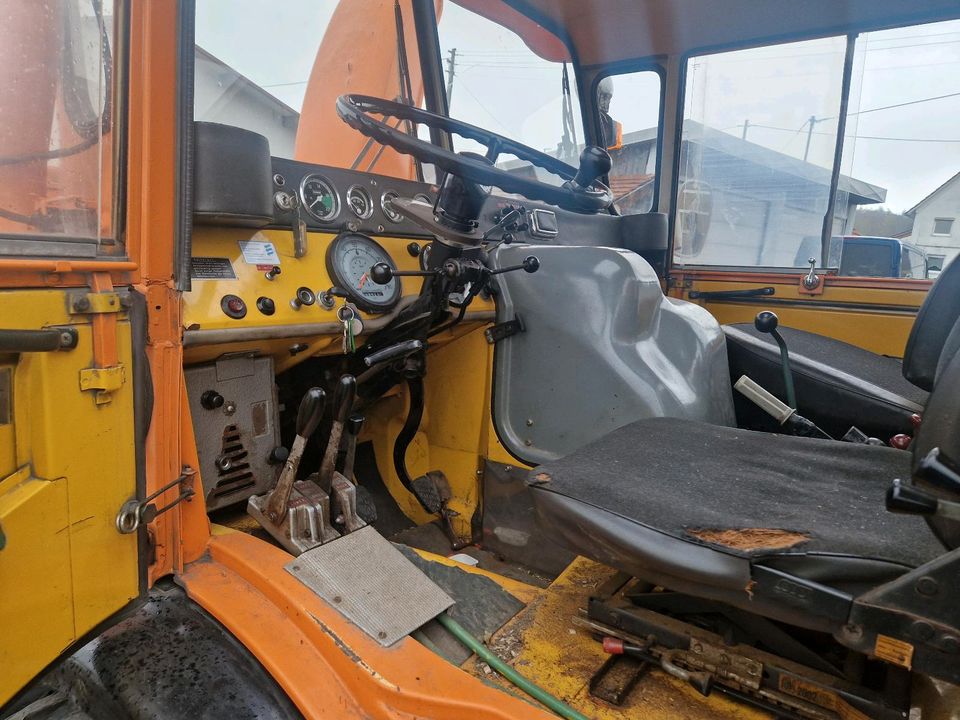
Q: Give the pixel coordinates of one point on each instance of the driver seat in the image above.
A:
(791, 528)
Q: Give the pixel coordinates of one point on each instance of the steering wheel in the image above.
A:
(581, 191)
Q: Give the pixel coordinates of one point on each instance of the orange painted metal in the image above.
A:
(104, 325)
(359, 48)
(327, 665)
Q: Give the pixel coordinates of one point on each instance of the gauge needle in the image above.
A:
(363, 281)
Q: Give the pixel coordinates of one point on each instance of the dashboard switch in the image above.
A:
(304, 296)
(266, 305)
(272, 272)
(211, 400)
(233, 306)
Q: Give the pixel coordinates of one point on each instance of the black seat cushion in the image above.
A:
(815, 506)
(838, 384)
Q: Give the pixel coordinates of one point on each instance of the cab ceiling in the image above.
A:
(606, 31)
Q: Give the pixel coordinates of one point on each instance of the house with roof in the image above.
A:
(935, 227)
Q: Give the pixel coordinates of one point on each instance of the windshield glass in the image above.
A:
(278, 68)
(495, 81)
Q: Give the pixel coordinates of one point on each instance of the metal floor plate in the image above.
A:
(372, 584)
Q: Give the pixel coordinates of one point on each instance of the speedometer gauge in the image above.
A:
(319, 198)
(349, 259)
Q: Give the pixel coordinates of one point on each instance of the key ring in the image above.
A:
(348, 318)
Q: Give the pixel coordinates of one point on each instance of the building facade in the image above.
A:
(935, 224)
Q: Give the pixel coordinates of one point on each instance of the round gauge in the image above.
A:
(424, 198)
(359, 201)
(319, 198)
(349, 259)
(386, 204)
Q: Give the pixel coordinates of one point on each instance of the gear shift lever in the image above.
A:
(595, 162)
(767, 322)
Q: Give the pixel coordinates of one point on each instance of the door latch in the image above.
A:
(504, 330)
(103, 381)
(135, 513)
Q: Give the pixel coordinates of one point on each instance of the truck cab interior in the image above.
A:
(466, 394)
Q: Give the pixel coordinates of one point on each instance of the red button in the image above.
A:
(235, 305)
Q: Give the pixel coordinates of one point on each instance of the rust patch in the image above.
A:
(542, 477)
(750, 538)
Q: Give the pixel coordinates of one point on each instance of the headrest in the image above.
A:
(937, 316)
(233, 180)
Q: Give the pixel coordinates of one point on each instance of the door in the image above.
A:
(68, 461)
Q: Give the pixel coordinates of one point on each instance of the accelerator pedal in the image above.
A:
(371, 584)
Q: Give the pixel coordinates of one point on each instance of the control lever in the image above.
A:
(308, 417)
(530, 264)
(353, 426)
(393, 352)
(910, 500)
(343, 400)
(782, 413)
(767, 322)
(382, 273)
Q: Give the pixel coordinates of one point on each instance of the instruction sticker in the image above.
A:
(211, 268)
(257, 252)
(894, 651)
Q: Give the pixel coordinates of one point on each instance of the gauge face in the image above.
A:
(359, 201)
(386, 204)
(349, 259)
(319, 198)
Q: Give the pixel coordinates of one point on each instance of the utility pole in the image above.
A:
(451, 70)
(812, 121)
(746, 124)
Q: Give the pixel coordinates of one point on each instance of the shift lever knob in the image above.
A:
(594, 162)
(766, 321)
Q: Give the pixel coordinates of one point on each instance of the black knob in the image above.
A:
(278, 455)
(354, 423)
(531, 264)
(766, 321)
(211, 400)
(414, 249)
(381, 273)
(266, 305)
(594, 162)
(304, 296)
(272, 272)
(310, 412)
(343, 397)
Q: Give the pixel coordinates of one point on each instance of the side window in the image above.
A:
(906, 263)
(901, 137)
(628, 106)
(756, 155)
(57, 123)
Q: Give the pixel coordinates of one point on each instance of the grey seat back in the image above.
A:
(936, 319)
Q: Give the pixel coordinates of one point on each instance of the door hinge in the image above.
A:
(135, 513)
(505, 329)
(103, 381)
(91, 303)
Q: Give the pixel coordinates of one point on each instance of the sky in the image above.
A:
(500, 84)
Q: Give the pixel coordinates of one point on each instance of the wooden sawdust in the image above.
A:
(750, 538)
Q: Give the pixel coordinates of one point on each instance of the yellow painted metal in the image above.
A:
(561, 659)
(103, 381)
(67, 566)
(876, 318)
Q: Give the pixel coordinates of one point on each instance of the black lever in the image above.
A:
(392, 352)
(381, 273)
(530, 264)
(343, 399)
(939, 471)
(353, 426)
(308, 417)
(908, 500)
(595, 162)
(767, 322)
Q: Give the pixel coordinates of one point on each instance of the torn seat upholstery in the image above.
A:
(698, 508)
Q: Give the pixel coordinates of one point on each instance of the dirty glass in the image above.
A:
(277, 69)
(495, 81)
(56, 127)
(756, 156)
(902, 136)
(629, 110)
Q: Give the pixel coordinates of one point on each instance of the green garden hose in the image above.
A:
(481, 650)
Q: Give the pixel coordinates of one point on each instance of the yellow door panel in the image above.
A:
(873, 314)
(34, 577)
(74, 453)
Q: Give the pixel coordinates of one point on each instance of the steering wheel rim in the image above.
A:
(357, 111)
